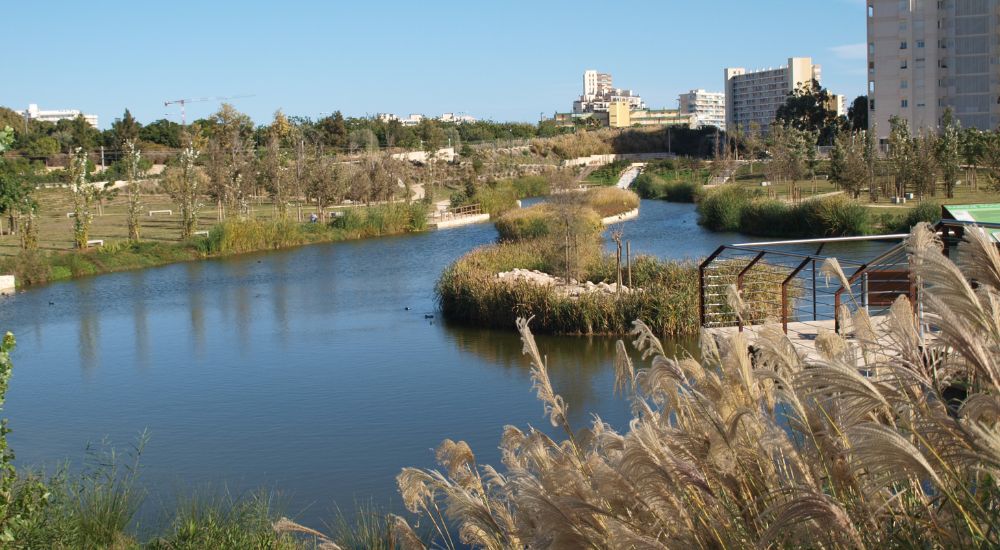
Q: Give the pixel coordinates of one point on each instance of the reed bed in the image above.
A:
(227, 238)
(737, 209)
(576, 213)
(890, 439)
(611, 201)
(651, 186)
(470, 292)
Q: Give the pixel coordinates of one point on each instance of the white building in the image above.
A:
(599, 94)
(708, 107)
(924, 57)
(458, 118)
(34, 113)
(839, 104)
(754, 97)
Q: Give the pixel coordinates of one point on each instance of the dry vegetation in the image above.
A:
(779, 451)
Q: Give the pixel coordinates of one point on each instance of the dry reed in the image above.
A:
(775, 451)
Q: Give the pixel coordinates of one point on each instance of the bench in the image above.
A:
(95, 242)
(885, 286)
(167, 212)
(70, 214)
(202, 233)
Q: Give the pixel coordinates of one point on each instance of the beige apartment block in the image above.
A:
(925, 56)
(708, 107)
(756, 96)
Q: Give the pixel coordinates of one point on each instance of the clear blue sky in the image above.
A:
(502, 60)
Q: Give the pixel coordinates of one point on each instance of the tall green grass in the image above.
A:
(736, 209)
(652, 186)
(500, 196)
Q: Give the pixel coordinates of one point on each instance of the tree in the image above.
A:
(948, 152)
(900, 154)
(870, 156)
(857, 113)
(162, 132)
(847, 162)
(83, 196)
(184, 183)
(132, 174)
(808, 108)
(990, 158)
(273, 164)
(753, 142)
(362, 140)
(334, 131)
(125, 129)
(326, 183)
(788, 147)
(972, 143)
(231, 158)
(924, 169)
(15, 191)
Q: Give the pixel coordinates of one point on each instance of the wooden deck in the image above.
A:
(801, 334)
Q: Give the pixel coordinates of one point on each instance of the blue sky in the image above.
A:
(502, 60)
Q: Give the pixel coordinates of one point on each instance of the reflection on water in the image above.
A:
(314, 370)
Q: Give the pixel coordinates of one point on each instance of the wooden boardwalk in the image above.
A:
(801, 334)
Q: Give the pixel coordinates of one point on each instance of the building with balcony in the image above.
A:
(55, 115)
(708, 107)
(927, 56)
(599, 94)
(755, 96)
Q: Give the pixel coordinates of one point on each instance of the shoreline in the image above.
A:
(124, 256)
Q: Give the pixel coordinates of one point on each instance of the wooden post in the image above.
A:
(628, 261)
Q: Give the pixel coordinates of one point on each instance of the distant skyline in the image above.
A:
(506, 61)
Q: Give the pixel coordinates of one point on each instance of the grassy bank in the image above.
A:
(747, 211)
(224, 239)
(576, 213)
(501, 196)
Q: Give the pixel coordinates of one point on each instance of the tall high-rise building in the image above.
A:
(756, 96)
(925, 56)
(599, 94)
(595, 84)
(708, 107)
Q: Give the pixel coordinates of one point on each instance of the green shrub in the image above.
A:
(721, 208)
(30, 267)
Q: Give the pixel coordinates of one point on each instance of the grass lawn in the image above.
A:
(55, 232)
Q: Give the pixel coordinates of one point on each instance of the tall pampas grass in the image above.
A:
(778, 450)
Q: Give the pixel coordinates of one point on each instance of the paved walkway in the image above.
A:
(629, 175)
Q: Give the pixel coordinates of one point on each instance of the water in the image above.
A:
(298, 370)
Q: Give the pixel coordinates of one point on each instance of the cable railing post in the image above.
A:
(784, 292)
(739, 284)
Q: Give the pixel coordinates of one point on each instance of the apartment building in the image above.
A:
(755, 96)
(709, 108)
(925, 56)
(599, 94)
(55, 115)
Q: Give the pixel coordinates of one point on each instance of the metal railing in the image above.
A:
(459, 211)
(784, 281)
(778, 281)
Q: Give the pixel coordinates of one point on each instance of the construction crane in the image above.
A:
(184, 102)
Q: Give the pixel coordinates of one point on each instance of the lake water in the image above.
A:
(299, 370)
